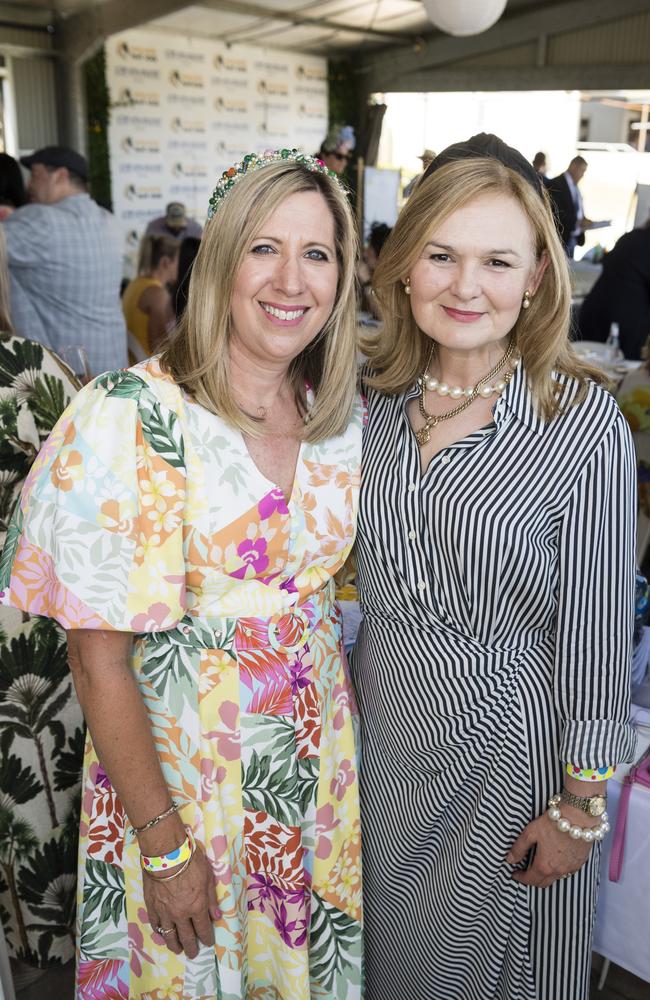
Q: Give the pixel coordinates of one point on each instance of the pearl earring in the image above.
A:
(526, 303)
(407, 285)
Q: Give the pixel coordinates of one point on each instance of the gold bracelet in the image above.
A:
(174, 807)
(168, 878)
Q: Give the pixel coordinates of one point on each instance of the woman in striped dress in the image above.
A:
(496, 573)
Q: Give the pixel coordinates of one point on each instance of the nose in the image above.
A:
(288, 275)
(465, 284)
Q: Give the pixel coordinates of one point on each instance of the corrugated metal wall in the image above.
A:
(35, 88)
(624, 41)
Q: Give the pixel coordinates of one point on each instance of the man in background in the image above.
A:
(174, 223)
(427, 157)
(65, 263)
(569, 210)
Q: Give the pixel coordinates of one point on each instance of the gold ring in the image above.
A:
(161, 930)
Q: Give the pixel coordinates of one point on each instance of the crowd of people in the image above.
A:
(257, 818)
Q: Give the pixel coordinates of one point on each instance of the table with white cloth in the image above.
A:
(622, 930)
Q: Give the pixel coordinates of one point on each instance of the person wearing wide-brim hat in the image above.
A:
(427, 157)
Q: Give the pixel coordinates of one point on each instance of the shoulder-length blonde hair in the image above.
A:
(399, 353)
(198, 356)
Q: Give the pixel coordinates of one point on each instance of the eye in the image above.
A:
(440, 258)
(316, 255)
(262, 249)
(496, 262)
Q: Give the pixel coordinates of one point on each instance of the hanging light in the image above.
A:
(464, 17)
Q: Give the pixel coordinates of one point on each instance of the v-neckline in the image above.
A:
(269, 482)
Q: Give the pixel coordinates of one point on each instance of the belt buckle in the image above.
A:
(301, 629)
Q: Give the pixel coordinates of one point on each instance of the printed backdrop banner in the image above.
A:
(184, 109)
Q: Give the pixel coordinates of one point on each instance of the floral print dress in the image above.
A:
(41, 727)
(145, 513)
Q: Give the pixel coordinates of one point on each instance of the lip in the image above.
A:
(276, 321)
(462, 315)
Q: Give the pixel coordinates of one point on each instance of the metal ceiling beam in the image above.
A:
(298, 18)
(81, 34)
(630, 76)
(392, 70)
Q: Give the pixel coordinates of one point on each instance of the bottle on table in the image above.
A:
(614, 343)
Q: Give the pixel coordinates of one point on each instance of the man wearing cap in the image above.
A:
(174, 223)
(427, 157)
(65, 262)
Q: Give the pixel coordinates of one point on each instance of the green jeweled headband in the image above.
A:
(254, 161)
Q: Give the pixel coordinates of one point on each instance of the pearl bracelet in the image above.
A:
(588, 834)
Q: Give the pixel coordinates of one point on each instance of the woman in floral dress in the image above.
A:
(184, 523)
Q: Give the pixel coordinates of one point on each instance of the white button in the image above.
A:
(445, 460)
(411, 487)
(412, 535)
(422, 585)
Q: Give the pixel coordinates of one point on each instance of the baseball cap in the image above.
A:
(58, 156)
(175, 216)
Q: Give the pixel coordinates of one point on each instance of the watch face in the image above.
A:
(597, 805)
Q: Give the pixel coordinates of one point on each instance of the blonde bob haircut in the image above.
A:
(400, 352)
(198, 357)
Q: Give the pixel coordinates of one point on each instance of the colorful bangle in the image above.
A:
(172, 860)
(589, 834)
(590, 773)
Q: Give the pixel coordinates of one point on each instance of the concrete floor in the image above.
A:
(620, 985)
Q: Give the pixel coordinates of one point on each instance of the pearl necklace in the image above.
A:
(482, 389)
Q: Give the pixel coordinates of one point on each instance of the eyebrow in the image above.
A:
(488, 253)
(310, 243)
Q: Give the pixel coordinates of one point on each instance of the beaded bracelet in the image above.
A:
(173, 859)
(174, 807)
(590, 773)
(588, 834)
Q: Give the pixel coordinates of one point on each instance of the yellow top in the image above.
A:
(137, 321)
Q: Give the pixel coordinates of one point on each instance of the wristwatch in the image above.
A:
(592, 805)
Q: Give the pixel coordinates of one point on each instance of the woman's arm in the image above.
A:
(593, 644)
(121, 734)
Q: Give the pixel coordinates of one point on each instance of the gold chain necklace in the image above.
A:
(423, 436)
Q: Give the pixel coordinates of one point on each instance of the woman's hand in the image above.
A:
(557, 855)
(188, 904)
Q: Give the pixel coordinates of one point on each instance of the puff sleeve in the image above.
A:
(96, 538)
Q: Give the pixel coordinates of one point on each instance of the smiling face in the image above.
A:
(468, 284)
(285, 288)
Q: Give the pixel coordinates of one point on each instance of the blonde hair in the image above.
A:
(6, 325)
(152, 250)
(399, 353)
(197, 357)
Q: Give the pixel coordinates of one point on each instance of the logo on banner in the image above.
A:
(184, 56)
(136, 53)
(230, 106)
(135, 192)
(131, 145)
(228, 150)
(272, 132)
(186, 125)
(311, 72)
(229, 64)
(189, 170)
(271, 67)
(131, 98)
(273, 89)
(307, 111)
(179, 79)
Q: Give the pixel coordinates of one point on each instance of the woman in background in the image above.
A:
(147, 303)
(41, 748)
(187, 253)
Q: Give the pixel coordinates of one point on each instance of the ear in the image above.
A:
(538, 273)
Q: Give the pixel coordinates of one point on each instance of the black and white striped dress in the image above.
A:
(497, 591)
